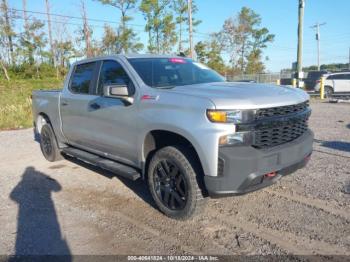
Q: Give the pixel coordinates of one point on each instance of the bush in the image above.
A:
(28, 71)
(16, 103)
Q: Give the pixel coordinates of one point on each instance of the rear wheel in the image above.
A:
(48, 144)
(172, 180)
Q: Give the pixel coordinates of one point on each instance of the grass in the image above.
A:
(16, 103)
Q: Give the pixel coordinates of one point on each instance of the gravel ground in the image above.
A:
(68, 207)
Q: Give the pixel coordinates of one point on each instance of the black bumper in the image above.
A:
(246, 169)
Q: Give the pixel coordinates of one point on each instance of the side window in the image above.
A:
(113, 73)
(347, 76)
(82, 77)
(338, 77)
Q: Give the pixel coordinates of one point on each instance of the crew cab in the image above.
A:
(177, 125)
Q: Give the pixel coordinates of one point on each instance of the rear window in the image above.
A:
(316, 74)
(170, 72)
(82, 77)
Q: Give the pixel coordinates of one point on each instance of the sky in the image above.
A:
(279, 16)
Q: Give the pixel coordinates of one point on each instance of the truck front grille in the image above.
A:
(280, 132)
(281, 110)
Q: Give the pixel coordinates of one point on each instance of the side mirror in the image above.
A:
(117, 91)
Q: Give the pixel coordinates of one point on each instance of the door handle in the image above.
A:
(64, 104)
(95, 106)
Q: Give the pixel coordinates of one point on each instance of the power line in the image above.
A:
(93, 20)
(75, 17)
(68, 23)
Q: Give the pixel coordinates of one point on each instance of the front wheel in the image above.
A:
(172, 178)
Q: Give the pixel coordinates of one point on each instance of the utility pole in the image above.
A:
(86, 30)
(189, 3)
(300, 42)
(317, 26)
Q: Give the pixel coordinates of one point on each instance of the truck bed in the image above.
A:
(46, 102)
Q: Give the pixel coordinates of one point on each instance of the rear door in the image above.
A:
(75, 103)
(341, 82)
(346, 83)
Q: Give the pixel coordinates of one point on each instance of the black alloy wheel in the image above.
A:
(174, 175)
(170, 185)
(48, 144)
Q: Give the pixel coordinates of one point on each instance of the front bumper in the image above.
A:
(245, 169)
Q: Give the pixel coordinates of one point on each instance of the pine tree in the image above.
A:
(160, 25)
(126, 39)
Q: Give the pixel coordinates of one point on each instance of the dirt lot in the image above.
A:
(67, 208)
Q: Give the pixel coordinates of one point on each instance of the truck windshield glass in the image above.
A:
(170, 72)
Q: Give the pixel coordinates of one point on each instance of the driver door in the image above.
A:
(110, 122)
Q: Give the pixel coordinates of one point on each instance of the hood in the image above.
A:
(234, 95)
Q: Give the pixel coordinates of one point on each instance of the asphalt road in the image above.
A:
(68, 207)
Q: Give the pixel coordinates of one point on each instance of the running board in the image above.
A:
(104, 163)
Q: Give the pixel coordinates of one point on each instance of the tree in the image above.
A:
(160, 25)
(4, 69)
(87, 32)
(125, 39)
(201, 51)
(7, 32)
(33, 41)
(209, 53)
(244, 40)
(109, 40)
(215, 60)
(181, 8)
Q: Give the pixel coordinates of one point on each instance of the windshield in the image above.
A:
(171, 72)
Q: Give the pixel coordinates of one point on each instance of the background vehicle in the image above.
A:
(176, 124)
(335, 83)
(312, 77)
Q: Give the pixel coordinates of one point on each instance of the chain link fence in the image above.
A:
(258, 78)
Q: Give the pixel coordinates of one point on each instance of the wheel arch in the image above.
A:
(159, 138)
(40, 121)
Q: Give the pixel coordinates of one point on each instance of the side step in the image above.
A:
(110, 165)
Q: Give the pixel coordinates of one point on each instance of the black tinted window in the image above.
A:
(112, 73)
(168, 72)
(82, 77)
(347, 76)
(336, 77)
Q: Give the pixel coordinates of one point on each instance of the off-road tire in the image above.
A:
(48, 144)
(190, 170)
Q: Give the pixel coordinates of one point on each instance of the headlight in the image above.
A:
(223, 116)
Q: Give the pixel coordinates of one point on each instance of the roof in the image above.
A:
(339, 73)
(97, 58)
(150, 56)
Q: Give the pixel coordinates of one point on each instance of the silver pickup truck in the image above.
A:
(176, 124)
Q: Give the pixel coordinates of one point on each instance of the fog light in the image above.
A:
(232, 139)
